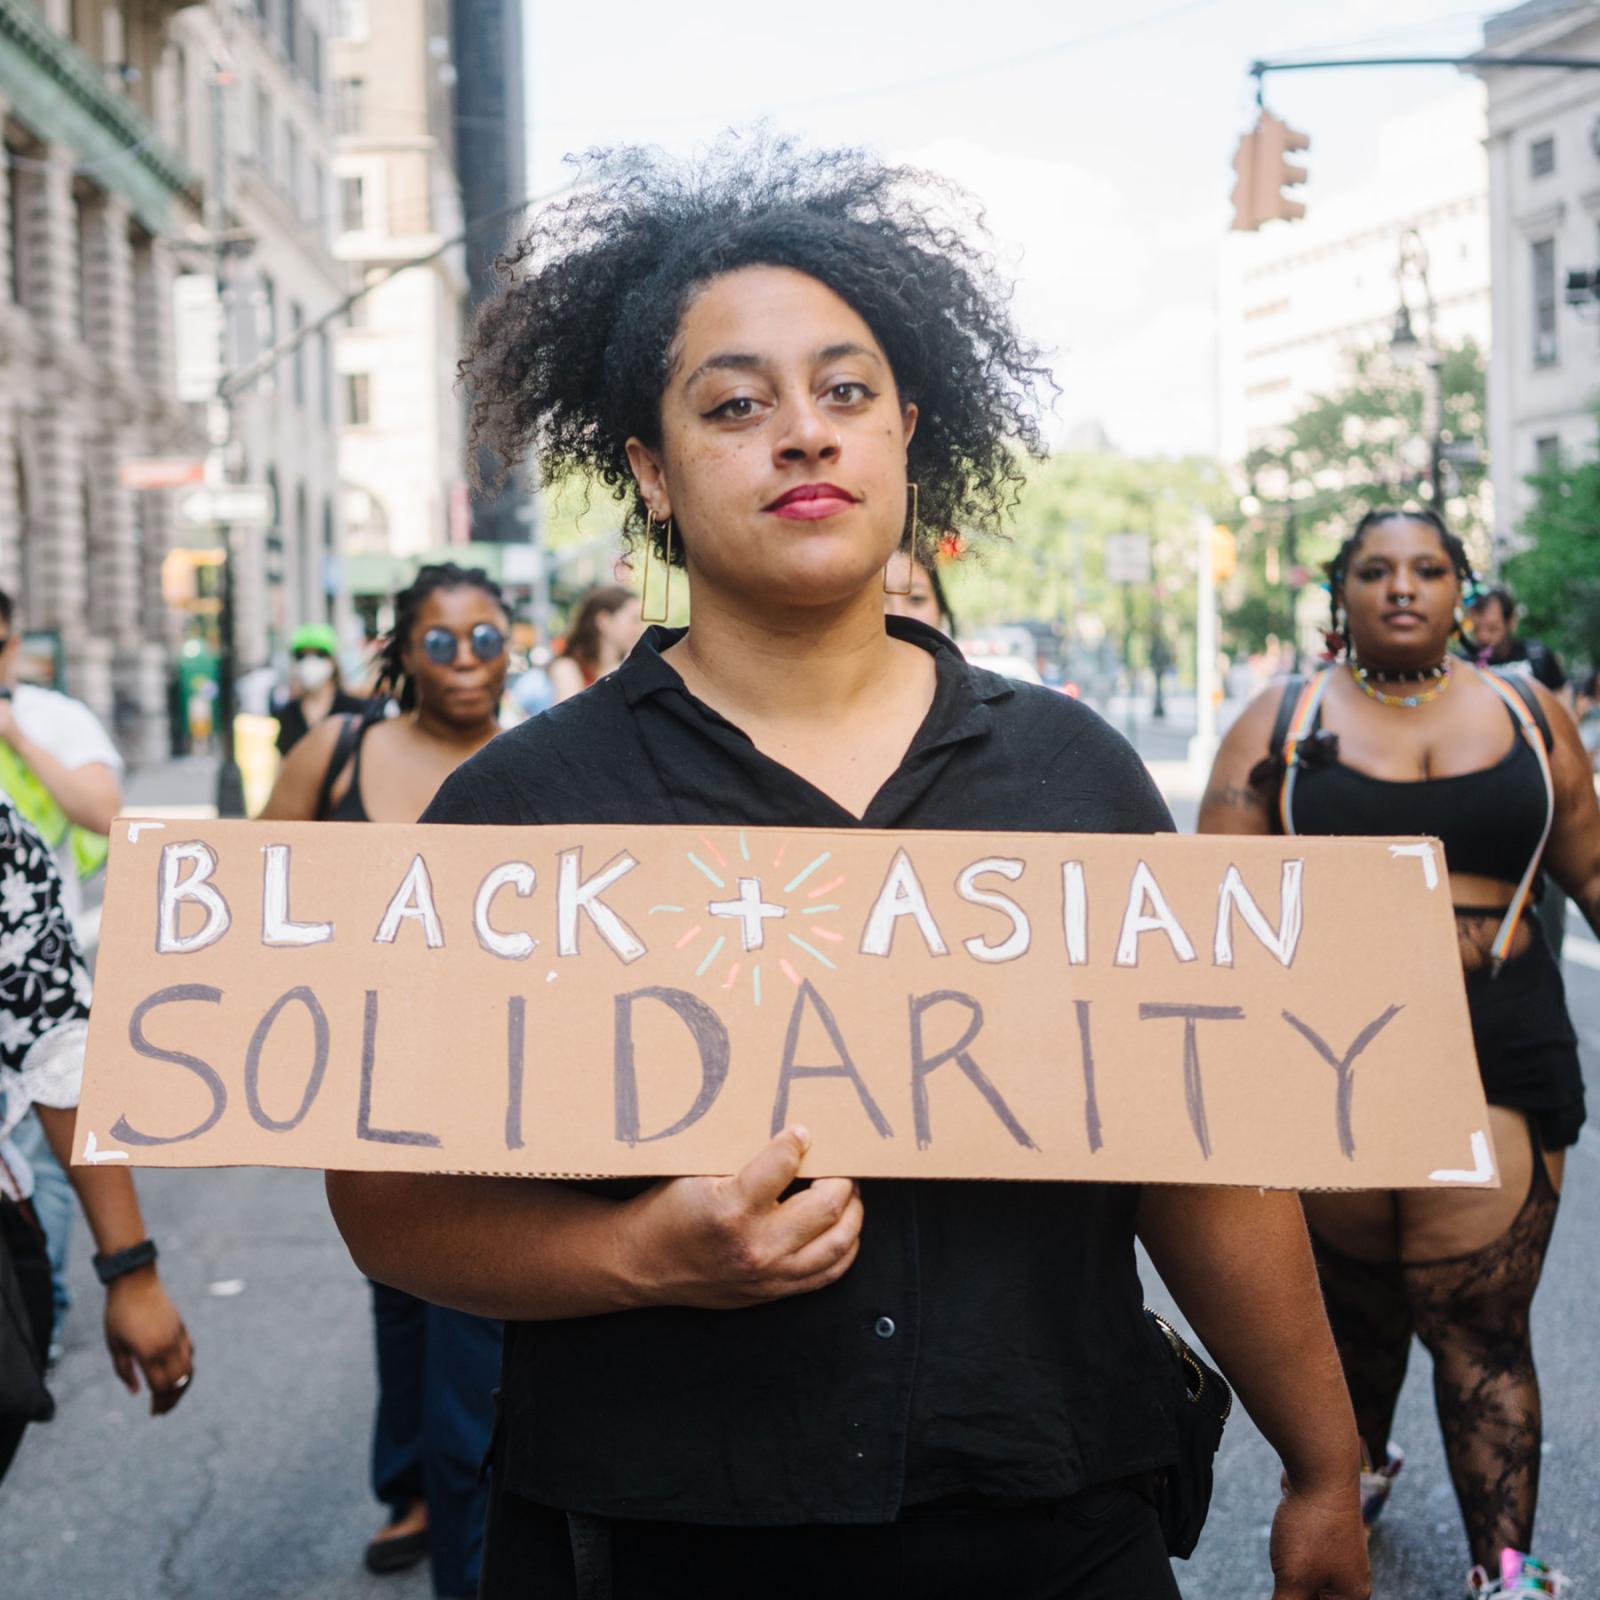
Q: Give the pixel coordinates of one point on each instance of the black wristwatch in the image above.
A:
(121, 1262)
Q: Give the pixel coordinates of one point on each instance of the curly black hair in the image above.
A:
(571, 358)
(1339, 567)
(393, 679)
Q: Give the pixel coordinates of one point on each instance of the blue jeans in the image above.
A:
(437, 1373)
(53, 1202)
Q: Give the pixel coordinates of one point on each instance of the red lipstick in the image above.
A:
(809, 502)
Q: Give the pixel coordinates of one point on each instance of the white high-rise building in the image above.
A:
(1297, 299)
(402, 456)
(1544, 191)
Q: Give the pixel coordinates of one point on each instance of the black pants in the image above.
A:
(1102, 1545)
(20, 1235)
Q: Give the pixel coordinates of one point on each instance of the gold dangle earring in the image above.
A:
(645, 614)
(908, 542)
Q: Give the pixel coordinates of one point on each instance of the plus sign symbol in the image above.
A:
(751, 911)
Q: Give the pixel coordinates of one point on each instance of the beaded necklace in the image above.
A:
(1440, 675)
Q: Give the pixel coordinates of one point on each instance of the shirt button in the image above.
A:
(884, 1327)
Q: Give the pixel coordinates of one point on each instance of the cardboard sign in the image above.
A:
(632, 1001)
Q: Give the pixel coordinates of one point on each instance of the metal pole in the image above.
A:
(1203, 746)
(230, 782)
(1291, 555)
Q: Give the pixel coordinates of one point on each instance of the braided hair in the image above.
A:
(1338, 569)
(393, 680)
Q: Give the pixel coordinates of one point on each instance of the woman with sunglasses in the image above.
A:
(444, 665)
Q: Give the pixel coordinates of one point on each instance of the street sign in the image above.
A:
(160, 472)
(240, 505)
(1461, 453)
(1127, 558)
(197, 336)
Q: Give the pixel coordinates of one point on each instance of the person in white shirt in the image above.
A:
(63, 773)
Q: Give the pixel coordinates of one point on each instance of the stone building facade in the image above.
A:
(92, 198)
(109, 113)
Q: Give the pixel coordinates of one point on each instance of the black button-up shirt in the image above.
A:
(988, 1342)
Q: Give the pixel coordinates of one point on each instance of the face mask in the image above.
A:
(313, 672)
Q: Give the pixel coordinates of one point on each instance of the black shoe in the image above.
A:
(399, 1554)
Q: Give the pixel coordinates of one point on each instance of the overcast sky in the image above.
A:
(1099, 140)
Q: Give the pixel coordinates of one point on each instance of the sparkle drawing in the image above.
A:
(753, 912)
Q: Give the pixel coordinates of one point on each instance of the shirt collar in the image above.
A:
(961, 696)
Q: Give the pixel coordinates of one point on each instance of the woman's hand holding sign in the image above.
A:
(725, 1243)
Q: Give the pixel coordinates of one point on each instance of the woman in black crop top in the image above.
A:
(736, 1385)
(1403, 738)
(444, 662)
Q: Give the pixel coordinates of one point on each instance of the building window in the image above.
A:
(353, 204)
(350, 100)
(264, 130)
(350, 19)
(329, 556)
(264, 13)
(180, 100)
(325, 375)
(83, 227)
(291, 166)
(16, 181)
(314, 57)
(1544, 302)
(297, 321)
(1542, 157)
(1547, 452)
(357, 399)
(317, 200)
(291, 30)
(267, 313)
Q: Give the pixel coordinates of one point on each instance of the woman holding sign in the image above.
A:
(1401, 737)
(444, 664)
(792, 366)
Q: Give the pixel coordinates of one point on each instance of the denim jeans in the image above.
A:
(53, 1204)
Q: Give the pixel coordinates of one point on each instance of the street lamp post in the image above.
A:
(1406, 347)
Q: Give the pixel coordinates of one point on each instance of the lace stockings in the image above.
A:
(1471, 1311)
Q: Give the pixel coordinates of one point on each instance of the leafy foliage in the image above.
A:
(1556, 578)
(1346, 453)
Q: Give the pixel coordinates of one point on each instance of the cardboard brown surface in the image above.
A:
(604, 1000)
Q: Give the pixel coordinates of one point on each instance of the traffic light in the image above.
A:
(1264, 173)
(1224, 553)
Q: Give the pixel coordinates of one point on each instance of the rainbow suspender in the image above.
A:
(1305, 716)
(1300, 725)
(1519, 901)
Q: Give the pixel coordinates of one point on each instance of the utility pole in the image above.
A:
(1203, 746)
(1291, 587)
(230, 782)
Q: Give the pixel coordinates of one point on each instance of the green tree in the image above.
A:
(1556, 578)
(1346, 453)
(1051, 567)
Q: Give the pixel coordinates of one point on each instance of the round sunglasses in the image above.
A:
(487, 641)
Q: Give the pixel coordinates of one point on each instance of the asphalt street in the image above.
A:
(255, 1488)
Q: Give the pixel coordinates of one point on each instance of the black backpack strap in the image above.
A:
(1521, 685)
(1293, 688)
(344, 748)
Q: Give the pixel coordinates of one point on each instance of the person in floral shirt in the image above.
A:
(44, 1021)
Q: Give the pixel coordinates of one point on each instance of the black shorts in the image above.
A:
(1527, 1050)
(1101, 1545)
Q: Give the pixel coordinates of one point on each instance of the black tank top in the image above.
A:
(1490, 821)
(346, 752)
